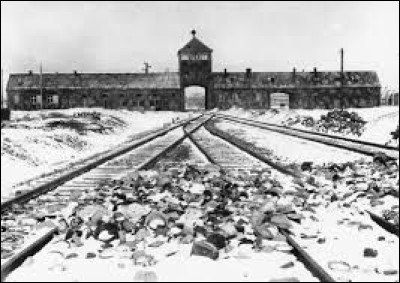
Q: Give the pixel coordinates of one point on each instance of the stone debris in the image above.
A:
(202, 212)
(336, 121)
(368, 252)
(153, 216)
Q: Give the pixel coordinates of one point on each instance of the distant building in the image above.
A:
(391, 99)
(166, 91)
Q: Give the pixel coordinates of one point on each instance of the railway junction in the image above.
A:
(202, 200)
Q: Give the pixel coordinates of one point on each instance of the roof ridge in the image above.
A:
(195, 45)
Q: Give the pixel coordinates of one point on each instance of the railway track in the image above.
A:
(260, 153)
(216, 150)
(231, 159)
(58, 193)
(228, 155)
(53, 182)
(362, 147)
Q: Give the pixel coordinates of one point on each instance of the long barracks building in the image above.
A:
(166, 91)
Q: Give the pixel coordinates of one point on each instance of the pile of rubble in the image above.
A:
(366, 185)
(336, 121)
(157, 225)
(92, 115)
(187, 213)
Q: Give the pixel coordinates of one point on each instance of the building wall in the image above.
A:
(173, 99)
(308, 98)
(156, 99)
(392, 99)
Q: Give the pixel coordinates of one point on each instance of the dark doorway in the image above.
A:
(195, 98)
(105, 101)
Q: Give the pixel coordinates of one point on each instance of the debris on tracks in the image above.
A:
(187, 214)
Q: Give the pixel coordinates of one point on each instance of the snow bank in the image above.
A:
(29, 147)
(381, 121)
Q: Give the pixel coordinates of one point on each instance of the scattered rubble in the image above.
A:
(336, 121)
(187, 212)
(153, 216)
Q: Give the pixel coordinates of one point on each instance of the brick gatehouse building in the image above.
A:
(166, 91)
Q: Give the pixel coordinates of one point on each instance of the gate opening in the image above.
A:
(195, 98)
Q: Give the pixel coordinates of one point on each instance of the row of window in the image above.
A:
(37, 99)
(194, 57)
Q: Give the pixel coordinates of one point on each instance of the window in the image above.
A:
(258, 97)
(17, 99)
(34, 100)
(50, 99)
(194, 57)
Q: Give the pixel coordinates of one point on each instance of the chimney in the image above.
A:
(248, 72)
(30, 72)
(75, 72)
(294, 73)
(315, 72)
(225, 73)
(342, 60)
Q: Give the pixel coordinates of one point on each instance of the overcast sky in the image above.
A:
(266, 36)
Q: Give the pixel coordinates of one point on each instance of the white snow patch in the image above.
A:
(381, 121)
(32, 149)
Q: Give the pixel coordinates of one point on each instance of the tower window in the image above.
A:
(194, 57)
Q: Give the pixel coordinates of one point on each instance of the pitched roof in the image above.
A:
(93, 81)
(195, 46)
(172, 80)
(287, 80)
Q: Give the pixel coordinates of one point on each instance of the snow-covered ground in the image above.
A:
(290, 149)
(381, 121)
(30, 147)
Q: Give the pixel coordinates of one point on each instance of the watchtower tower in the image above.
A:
(195, 66)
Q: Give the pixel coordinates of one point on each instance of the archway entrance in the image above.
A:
(280, 101)
(195, 98)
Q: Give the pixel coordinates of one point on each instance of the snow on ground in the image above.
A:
(30, 147)
(381, 121)
(290, 149)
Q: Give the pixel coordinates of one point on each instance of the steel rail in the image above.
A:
(44, 188)
(16, 260)
(257, 155)
(389, 227)
(382, 146)
(299, 252)
(330, 140)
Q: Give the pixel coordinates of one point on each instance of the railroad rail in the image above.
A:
(147, 152)
(385, 224)
(63, 178)
(213, 152)
(391, 228)
(358, 146)
(190, 130)
(224, 152)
